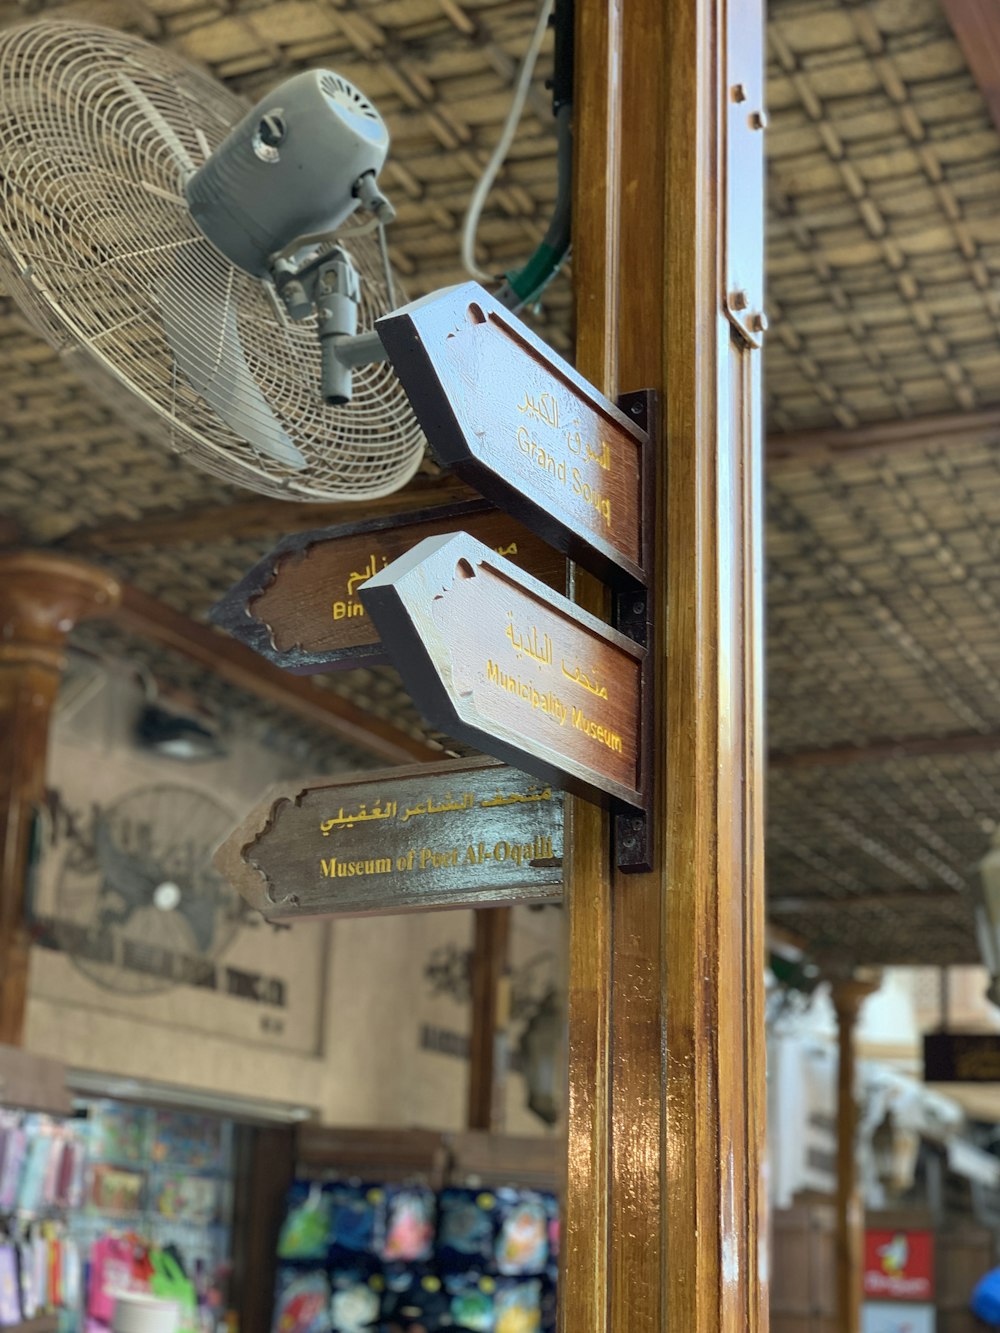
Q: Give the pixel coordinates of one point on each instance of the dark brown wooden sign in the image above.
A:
(299, 606)
(517, 422)
(462, 833)
(962, 1057)
(495, 658)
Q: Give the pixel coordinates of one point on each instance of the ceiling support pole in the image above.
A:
(848, 995)
(41, 598)
(666, 1033)
(490, 986)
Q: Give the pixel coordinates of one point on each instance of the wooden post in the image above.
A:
(666, 1032)
(848, 995)
(490, 1015)
(41, 598)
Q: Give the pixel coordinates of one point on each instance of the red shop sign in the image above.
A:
(899, 1265)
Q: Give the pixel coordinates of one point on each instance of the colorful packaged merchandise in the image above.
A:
(302, 1301)
(305, 1233)
(355, 1300)
(187, 1138)
(353, 1210)
(467, 1221)
(471, 1303)
(522, 1243)
(518, 1306)
(413, 1302)
(407, 1225)
(10, 1296)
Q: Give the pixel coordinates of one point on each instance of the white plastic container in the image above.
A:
(135, 1312)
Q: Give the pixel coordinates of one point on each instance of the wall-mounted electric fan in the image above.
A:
(139, 907)
(203, 262)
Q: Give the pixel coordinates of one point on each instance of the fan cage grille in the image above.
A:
(98, 133)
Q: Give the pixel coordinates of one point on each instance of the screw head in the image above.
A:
(739, 300)
(760, 322)
(636, 409)
(738, 92)
(758, 120)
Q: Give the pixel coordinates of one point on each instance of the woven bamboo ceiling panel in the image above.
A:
(883, 269)
(884, 246)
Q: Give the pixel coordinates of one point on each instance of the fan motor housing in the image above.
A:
(288, 169)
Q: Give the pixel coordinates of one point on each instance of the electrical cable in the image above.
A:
(485, 184)
(525, 284)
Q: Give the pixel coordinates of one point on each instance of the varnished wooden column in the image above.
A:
(848, 995)
(666, 1035)
(490, 987)
(41, 598)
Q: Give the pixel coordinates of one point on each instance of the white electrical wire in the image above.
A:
(485, 184)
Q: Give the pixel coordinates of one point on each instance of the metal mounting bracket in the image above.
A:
(631, 614)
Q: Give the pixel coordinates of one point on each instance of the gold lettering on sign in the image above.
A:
(547, 702)
(976, 1065)
(543, 408)
(448, 804)
(572, 478)
(347, 610)
(604, 735)
(334, 869)
(502, 853)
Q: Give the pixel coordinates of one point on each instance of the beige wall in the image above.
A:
(349, 1046)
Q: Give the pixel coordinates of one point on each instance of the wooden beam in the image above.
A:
(244, 519)
(954, 430)
(911, 747)
(666, 1032)
(976, 24)
(866, 902)
(848, 995)
(490, 979)
(159, 623)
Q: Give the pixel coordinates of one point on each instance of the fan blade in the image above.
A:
(199, 320)
(200, 914)
(129, 876)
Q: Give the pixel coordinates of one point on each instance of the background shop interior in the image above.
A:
(179, 1086)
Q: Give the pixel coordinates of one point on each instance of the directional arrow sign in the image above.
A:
(495, 658)
(521, 426)
(462, 833)
(299, 606)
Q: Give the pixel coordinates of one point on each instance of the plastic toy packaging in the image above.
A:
(302, 1303)
(407, 1232)
(187, 1138)
(111, 1270)
(15, 1148)
(518, 1307)
(522, 1244)
(353, 1209)
(415, 1304)
(355, 1301)
(466, 1229)
(305, 1233)
(10, 1299)
(471, 1302)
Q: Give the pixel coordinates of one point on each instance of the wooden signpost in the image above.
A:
(462, 833)
(962, 1057)
(517, 422)
(494, 657)
(490, 652)
(299, 606)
